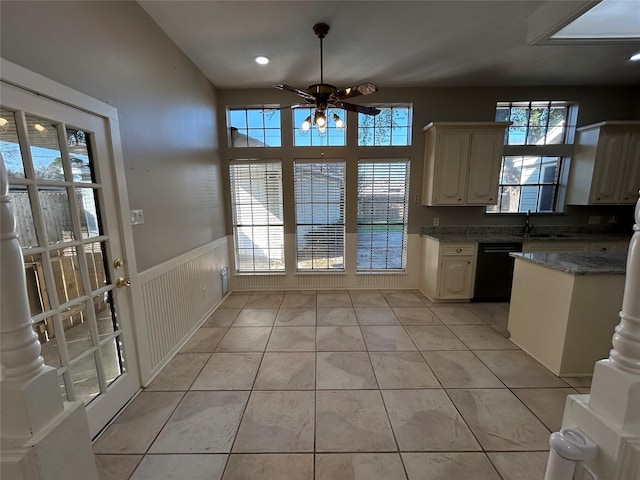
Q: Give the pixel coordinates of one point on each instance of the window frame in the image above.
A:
(405, 214)
(375, 127)
(300, 226)
(562, 151)
(269, 225)
(245, 129)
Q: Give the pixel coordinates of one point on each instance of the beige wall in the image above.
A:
(440, 104)
(114, 52)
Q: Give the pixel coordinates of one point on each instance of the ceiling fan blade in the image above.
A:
(297, 91)
(362, 89)
(358, 108)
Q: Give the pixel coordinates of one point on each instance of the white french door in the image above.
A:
(63, 192)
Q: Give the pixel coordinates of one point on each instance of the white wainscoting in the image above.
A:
(347, 279)
(177, 296)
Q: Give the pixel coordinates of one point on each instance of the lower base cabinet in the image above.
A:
(448, 270)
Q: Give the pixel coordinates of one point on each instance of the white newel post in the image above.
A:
(610, 414)
(42, 437)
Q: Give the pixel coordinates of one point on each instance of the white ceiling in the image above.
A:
(391, 43)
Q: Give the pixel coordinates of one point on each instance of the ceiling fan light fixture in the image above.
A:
(338, 121)
(319, 119)
(306, 125)
(635, 57)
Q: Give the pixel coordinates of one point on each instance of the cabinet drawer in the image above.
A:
(459, 249)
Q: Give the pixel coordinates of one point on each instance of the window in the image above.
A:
(256, 203)
(383, 204)
(528, 183)
(391, 127)
(534, 123)
(535, 155)
(333, 134)
(254, 127)
(319, 193)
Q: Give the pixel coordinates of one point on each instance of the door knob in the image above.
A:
(117, 263)
(123, 282)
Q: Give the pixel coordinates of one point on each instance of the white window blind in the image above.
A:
(383, 205)
(258, 227)
(319, 193)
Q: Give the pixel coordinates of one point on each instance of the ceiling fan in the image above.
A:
(323, 95)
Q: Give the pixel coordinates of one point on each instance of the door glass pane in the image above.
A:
(48, 342)
(105, 315)
(79, 154)
(96, 264)
(45, 149)
(87, 207)
(9, 146)
(112, 360)
(36, 290)
(21, 206)
(85, 379)
(76, 330)
(54, 202)
(66, 271)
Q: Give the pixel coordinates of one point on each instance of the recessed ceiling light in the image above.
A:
(635, 57)
(261, 60)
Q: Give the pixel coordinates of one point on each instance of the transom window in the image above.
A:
(383, 205)
(536, 146)
(254, 127)
(332, 134)
(534, 123)
(258, 226)
(391, 127)
(319, 195)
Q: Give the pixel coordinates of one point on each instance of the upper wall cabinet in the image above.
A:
(462, 163)
(605, 168)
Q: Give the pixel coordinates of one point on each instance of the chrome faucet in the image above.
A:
(528, 226)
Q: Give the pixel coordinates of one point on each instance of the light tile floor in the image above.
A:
(337, 385)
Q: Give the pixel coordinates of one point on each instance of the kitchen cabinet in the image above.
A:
(448, 270)
(605, 168)
(462, 163)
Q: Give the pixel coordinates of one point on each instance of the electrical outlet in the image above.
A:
(436, 221)
(594, 219)
(613, 219)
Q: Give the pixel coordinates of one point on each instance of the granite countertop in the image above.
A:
(498, 234)
(578, 263)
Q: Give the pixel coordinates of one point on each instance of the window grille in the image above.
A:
(254, 127)
(391, 127)
(383, 204)
(332, 136)
(536, 146)
(256, 203)
(319, 193)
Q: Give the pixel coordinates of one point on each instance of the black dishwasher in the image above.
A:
(494, 271)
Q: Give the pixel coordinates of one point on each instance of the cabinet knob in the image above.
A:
(626, 198)
(458, 250)
(598, 198)
(603, 249)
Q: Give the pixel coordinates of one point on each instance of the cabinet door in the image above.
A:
(452, 156)
(455, 277)
(609, 159)
(485, 160)
(631, 170)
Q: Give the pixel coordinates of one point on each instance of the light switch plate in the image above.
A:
(594, 219)
(137, 217)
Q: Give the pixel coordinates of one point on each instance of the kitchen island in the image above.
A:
(564, 307)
